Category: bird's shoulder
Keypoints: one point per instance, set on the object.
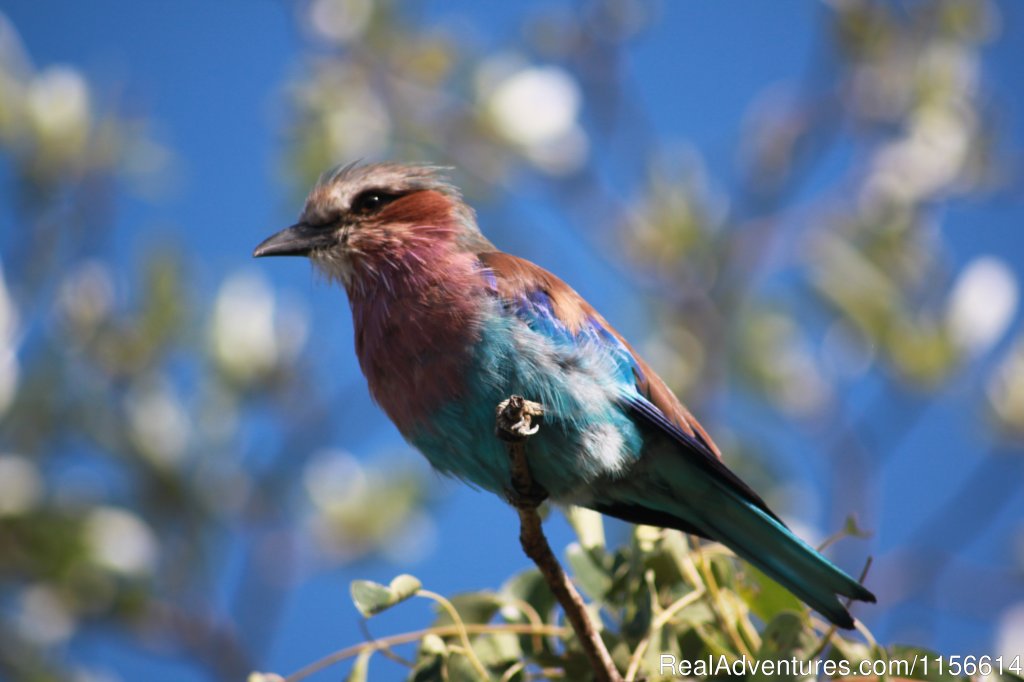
(548, 303)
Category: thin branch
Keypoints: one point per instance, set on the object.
(657, 624)
(514, 424)
(449, 608)
(417, 635)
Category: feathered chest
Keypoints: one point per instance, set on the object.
(413, 340)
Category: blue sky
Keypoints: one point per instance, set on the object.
(210, 77)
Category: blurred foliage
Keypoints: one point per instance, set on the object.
(147, 429)
(130, 466)
(663, 600)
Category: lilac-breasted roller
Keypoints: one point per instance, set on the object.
(447, 327)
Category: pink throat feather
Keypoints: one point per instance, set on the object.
(416, 302)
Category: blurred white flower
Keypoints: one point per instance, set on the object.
(1006, 389)
(58, 103)
(21, 486)
(334, 478)
(251, 337)
(351, 118)
(954, 65)
(359, 127)
(537, 109)
(982, 304)
(1010, 633)
(340, 20)
(927, 160)
(120, 540)
(43, 618)
(9, 368)
(159, 424)
(535, 105)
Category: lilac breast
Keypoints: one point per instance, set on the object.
(415, 335)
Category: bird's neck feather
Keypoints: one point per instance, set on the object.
(415, 313)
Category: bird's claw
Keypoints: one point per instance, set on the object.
(516, 421)
(515, 418)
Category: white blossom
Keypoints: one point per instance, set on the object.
(120, 541)
(982, 304)
(43, 617)
(21, 486)
(340, 20)
(158, 422)
(1010, 632)
(58, 102)
(253, 334)
(536, 108)
(333, 478)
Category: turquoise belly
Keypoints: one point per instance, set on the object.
(584, 434)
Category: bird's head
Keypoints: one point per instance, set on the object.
(364, 222)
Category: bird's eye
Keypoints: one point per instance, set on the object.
(371, 201)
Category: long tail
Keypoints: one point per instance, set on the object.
(772, 547)
(683, 484)
(721, 511)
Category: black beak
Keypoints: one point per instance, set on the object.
(297, 240)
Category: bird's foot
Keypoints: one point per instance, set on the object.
(515, 418)
(516, 421)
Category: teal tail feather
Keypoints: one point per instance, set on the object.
(772, 547)
(722, 509)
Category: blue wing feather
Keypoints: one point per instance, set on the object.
(535, 308)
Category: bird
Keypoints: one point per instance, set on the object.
(447, 327)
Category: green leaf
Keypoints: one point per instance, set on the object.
(915, 656)
(589, 526)
(472, 607)
(264, 677)
(433, 645)
(640, 611)
(433, 653)
(852, 529)
(695, 615)
(666, 644)
(371, 598)
(714, 639)
(461, 670)
(531, 587)
(587, 570)
(848, 650)
(765, 597)
(784, 638)
(361, 667)
(404, 587)
(428, 669)
(499, 649)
